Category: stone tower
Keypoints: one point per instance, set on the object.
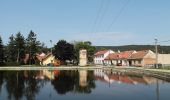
(83, 57)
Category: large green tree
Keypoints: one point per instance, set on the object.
(20, 47)
(11, 50)
(32, 46)
(64, 51)
(1, 52)
(85, 45)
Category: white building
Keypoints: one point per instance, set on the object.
(164, 59)
(101, 55)
(48, 60)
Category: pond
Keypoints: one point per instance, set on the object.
(80, 84)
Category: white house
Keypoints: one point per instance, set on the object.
(164, 59)
(101, 55)
(48, 59)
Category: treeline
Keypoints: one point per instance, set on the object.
(18, 46)
(65, 51)
(161, 49)
(14, 53)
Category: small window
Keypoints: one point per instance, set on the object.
(139, 61)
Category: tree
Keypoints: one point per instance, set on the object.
(1, 53)
(20, 47)
(11, 52)
(85, 45)
(32, 46)
(64, 51)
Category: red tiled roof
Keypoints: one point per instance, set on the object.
(121, 55)
(139, 54)
(101, 52)
(112, 56)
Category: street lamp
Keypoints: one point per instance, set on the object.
(156, 51)
(51, 52)
(51, 45)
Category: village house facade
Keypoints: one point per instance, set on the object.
(142, 58)
(119, 58)
(131, 58)
(49, 59)
(164, 59)
(101, 55)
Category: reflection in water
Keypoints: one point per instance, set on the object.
(75, 81)
(29, 84)
(118, 77)
(83, 78)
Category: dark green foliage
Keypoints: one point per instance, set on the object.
(64, 51)
(11, 53)
(32, 46)
(1, 53)
(15, 50)
(85, 45)
(20, 47)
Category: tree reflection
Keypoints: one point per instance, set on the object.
(68, 81)
(32, 85)
(14, 84)
(20, 84)
(64, 82)
(1, 80)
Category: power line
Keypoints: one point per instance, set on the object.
(97, 17)
(104, 12)
(118, 15)
(164, 41)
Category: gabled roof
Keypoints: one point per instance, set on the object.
(101, 52)
(112, 56)
(139, 54)
(120, 55)
(48, 55)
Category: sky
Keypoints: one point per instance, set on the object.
(103, 22)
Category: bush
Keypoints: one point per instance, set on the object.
(11, 64)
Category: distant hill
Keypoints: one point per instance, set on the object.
(161, 49)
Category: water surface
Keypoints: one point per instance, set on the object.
(80, 84)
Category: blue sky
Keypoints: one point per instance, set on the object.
(133, 21)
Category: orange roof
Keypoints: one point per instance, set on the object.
(101, 52)
(112, 56)
(139, 54)
(121, 55)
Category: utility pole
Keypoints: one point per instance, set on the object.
(51, 52)
(51, 45)
(156, 50)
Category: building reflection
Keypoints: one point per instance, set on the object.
(111, 77)
(27, 84)
(83, 78)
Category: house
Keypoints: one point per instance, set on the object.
(142, 58)
(50, 60)
(101, 55)
(40, 57)
(119, 58)
(164, 59)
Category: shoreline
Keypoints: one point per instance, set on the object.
(119, 68)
